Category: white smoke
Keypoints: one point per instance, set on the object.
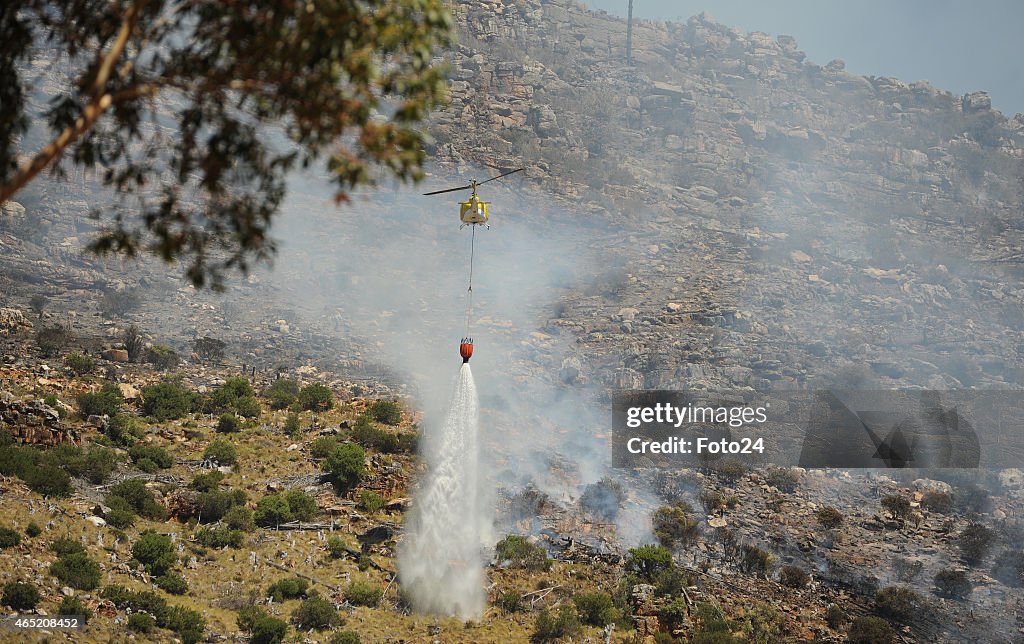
(439, 559)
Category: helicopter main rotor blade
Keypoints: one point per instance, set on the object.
(438, 192)
(501, 175)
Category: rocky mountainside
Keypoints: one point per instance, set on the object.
(721, 214)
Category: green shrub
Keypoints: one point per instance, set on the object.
(520, 553)
(282, 393)
(370, 501)
(105, 402)
(156, 455)
(510, 602)
(228, 424)
(317, 613)
(953, 584)
(77, 570)
(248, 407)
(134, 343)
(602, 499)
(74, 606)
(162, 357)
(303, 507)
(141, 622)
(99, 463)
(596, 609)
(187, 623)
(32, 530)
(221, 452)
(384, 411)
(64, 546)
(20, 595)
(168, 400)
(345, 637)
(79, 363)
(870, 630)
(136, 498)
(207, 481)
(155, 552)
(240, 518)
(9, 537)
(209, 349)
(346, 465)
(648, 561)
(120, 519)
(361, 593)
(124, 429)
(288, 588)
(214, 505)
(897, 602)
(897, 505)
(172, 583)
(673, 615)
(316, 397)
(974, 543)
(830, 518)
(291, 425)
(268, 630)
(794, 577)
(219, 537)
(272, 510)
(16, 461)
(674, 526)
(337, 547)
(49, 480)
(834, 616)
(321, 447)
(549, 627)
(224, 397)
(671, 582)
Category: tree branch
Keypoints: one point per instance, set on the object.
(99, 103)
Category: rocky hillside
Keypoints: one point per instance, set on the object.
(721, 214)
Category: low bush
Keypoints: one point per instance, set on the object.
(303, 506)
(870, 630)
(49, 480)
(207, 481)
(228, 424)
(649, 561)
(9, 537)
(209, 349)
(384, 411)
(897, 505)
(953, 584)
(20, 595)
(219, 537)
(248, 407)
(52, 339)
(168, 400)
(221, 452)
(602, 499)
(596, 608)
(974, 543)
(77, 570)
(674, 526)
(316, 397)
(510, 602)
(136, 497)
(794, 577)
(288, 588)
(64, 546)
(322, 446)
(520, 553)
(362, 593)
(345, 637)
(337, 547)
(172, 583)
(282, 393)
(550, 627)
(74, 606)
(212, 506)
(940, 502)
(134, 343)
(33, 530)
(370, 501)
(80, 364)
(783, 479)
(897, 602)
(291, 425)
(315, 613)
(124, 429)
(162, 357)
(346, 465)
(673, 614)
(105, 402)
(272, 510)
(830, 518)
(156, 455)
(754, 560)
(240, 518)
(1009, 568)
(155, 552)
(141, 622)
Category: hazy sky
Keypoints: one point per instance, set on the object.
(960, 46)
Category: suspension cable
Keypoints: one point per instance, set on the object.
(469, 305)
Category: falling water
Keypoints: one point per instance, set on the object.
(439, 559)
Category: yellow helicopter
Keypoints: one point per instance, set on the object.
(474, 211)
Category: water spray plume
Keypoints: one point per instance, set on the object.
(439, 560)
